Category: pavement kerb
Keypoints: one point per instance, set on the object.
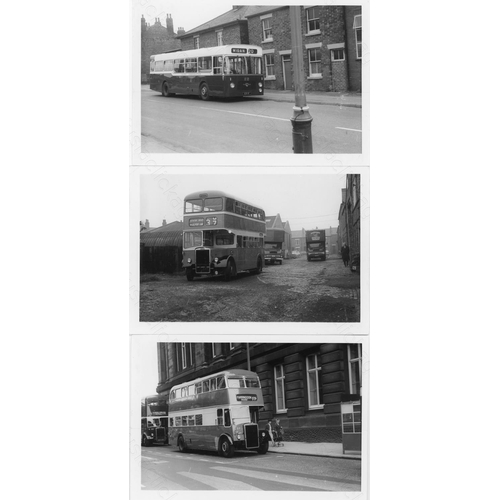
(347, 457)
(311, 100)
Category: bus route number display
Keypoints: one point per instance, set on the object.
(238, 51)
(198, 222)
(246, 397)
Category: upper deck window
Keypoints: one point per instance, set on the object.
(206, 205)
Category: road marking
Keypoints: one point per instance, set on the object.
(248, 114)
(294, 480)
(219, 483)
(161, 462)
(351, 129)
(147, 458)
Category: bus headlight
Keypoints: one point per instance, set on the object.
(232, 85)
(260, 84)
(216, 260)
(189, 260)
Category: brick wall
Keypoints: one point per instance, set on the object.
(355, 65)
(334, 76)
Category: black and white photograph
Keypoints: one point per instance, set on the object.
(248, 416)
(263, 247)
(267, 79)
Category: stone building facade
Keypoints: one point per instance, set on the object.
(349, 230)
(156, 39)
(303, 384)
(332, 56)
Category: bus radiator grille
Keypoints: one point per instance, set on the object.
(252, 435)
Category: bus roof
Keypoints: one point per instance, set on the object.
(209, 51)
(237, 372)
(214, 193)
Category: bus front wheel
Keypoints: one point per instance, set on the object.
(189, 273)
(263, 448)
(230, 271)
(226, 449)
(182, 445)
(204, 94)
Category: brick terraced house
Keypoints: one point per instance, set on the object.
(331, 36)
(304, 385)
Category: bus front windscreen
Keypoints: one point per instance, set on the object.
(241, 65)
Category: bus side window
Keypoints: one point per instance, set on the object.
(213, 384)
(219, 416)
(227, 418)
(221, 382)
(239, 241)
(217, 65)
(206, 386)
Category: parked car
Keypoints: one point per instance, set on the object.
(295, 254)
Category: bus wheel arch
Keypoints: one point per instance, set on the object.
(204, 91)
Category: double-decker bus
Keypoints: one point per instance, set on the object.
(316, 244)
(219, 412)
(154, 411)
(223, 71)
(221, 235)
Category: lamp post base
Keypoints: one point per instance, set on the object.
(301, 130)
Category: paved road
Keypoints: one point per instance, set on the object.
(165, 468)
(186, 124)
(295, 291)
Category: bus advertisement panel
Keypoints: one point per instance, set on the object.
(223, 71)
(219, 412)
(221, 236)
(316, 244)
(154, 411)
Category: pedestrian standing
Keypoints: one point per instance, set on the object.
(345, 254)
(269, 429)
(279, 433)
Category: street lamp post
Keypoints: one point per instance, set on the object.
(301, 120)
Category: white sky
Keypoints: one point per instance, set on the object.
(188, 15)
(306, 201)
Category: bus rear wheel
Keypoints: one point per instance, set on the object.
(226, 449)
(164, 90)
(259, 266)
(204, 93)
(263, 448)
(182, 445)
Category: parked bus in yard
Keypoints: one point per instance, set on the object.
(222, 236)
(154, 412)
(219, 412)
(316, 244)
(223, 71)
(274, 246)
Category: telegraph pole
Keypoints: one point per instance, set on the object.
(301, 120)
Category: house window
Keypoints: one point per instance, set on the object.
(219, 37)
(357, 32)
(269, 62)
(314, 389)
(267, 32)
(314, 61)
(354, 358)
(312, 15)
(184, 356)
(196, 42)
(279, 384)
(338, 55)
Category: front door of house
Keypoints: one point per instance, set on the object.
(287, 72)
